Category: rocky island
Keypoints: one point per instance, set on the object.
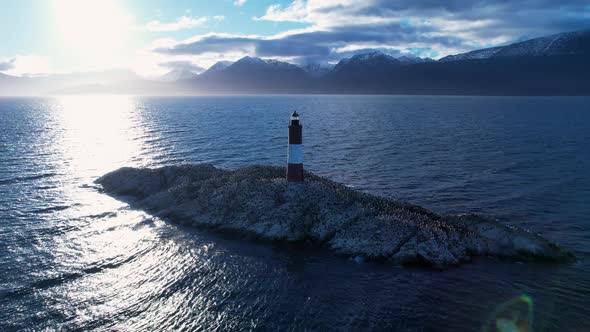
(258, 200)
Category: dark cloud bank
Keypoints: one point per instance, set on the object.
(441, 27)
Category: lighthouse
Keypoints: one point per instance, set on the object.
(295, 152)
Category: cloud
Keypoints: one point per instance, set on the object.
(239, 3)
(467, 24)
(151, 64)
(334, 29)
(184, 65)
(317, 45)
(296, 12)
(182, 23)
(210, 43)
(6, 64)
(542, 16)
(25, 65)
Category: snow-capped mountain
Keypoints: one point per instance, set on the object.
(177, 75)
(553, 65)
(473, 55)
(577, 42)
(410, 59)
(253, 61)
(317, 69)
(253, 75)
(219, 65)
(371, 59)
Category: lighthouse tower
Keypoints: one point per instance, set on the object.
(295, 154)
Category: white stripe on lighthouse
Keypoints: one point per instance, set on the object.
(295, 155)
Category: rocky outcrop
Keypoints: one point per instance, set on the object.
(257, 200)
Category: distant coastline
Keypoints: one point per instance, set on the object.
(555, 65)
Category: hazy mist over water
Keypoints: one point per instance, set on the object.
(74, 259)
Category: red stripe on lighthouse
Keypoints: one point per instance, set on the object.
(295, 152)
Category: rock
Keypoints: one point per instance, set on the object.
(258, 200)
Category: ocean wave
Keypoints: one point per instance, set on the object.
(27, 178)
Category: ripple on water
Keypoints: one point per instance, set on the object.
(75, 259)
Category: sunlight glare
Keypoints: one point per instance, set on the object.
(100, 133)
(95, 32)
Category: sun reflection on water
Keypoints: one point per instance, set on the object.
(98, 133)
(104, 251)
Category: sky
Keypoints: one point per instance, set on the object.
(152, 37)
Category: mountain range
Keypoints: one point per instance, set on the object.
(551, 65)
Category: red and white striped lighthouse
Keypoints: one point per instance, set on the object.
(295, 154)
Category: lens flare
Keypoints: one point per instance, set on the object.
(515, 315)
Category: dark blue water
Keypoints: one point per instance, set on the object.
(72, 258)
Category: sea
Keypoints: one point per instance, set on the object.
(75, 259)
